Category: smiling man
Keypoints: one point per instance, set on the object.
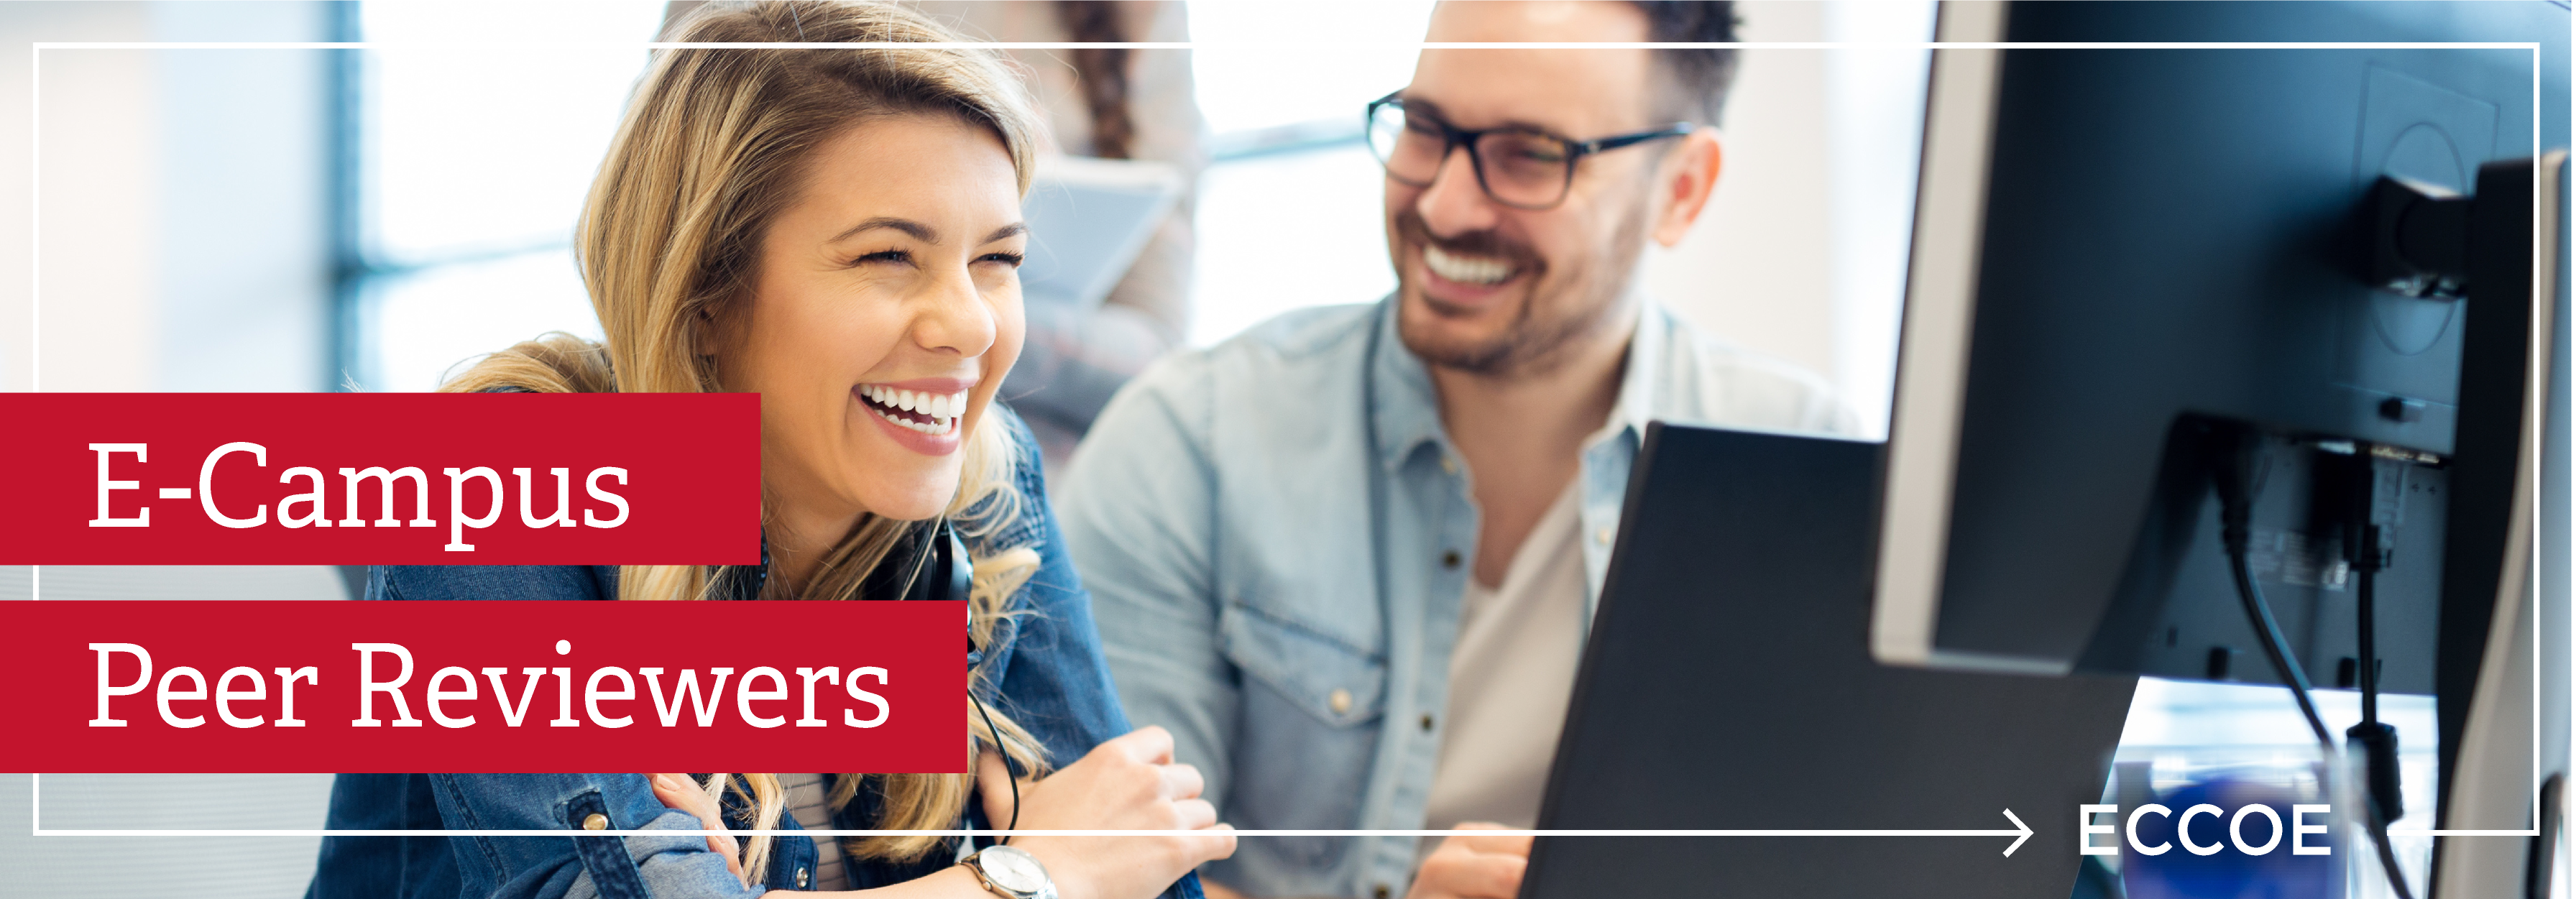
(1349, 558)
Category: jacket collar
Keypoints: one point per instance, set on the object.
(1406, 410)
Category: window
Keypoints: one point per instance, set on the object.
(471, 164)
(1289, 182)
(470, 167)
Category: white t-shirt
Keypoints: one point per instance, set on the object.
(806, 800)
(1510, 679)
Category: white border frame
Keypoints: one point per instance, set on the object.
(35, 369)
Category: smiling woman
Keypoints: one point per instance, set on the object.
(895, 273)
(837, 230)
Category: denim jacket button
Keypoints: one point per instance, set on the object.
(1340, 700)
(1449, 559)
(803, 877)
(596, 821)
(1380, 892)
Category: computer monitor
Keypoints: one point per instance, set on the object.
(2135, 269)
(2109, 240)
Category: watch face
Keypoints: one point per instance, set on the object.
(1012, 869)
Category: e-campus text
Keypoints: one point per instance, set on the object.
(381, 479)
(315, 501)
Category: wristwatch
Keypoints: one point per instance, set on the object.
(1011, 873)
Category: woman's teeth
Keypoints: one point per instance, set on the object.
(931, 413)
(1466, 269)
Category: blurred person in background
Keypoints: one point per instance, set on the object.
(1350, 557)
(1105, 103)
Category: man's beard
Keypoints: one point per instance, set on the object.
(1550, 316)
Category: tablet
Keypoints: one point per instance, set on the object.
(1088, 220)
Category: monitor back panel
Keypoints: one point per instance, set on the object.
(1727, 684)
(2172, 232)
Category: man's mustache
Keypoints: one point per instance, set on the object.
(1489, 243)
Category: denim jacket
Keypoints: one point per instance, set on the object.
(1278, 532)
(1053, 681)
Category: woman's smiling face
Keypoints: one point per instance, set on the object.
(885, 312)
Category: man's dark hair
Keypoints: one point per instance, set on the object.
(1692, 84)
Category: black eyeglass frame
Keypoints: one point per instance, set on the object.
(1453, 137)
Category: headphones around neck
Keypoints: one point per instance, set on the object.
(931, 564)
(940, 569)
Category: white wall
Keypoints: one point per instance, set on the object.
(1801, 252)
(180, 228)
(222, 285)
(97, 221)
(1757, 270)
(244, 293)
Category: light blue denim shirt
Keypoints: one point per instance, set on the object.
(1276, 533)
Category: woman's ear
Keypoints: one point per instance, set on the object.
(1689, 176)
(712, 336)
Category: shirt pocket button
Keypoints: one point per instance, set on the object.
(1340, 701)
(596, 821)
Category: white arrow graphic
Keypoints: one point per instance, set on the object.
(2017, 841)
(2020, 832)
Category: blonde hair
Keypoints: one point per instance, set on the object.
(711, 150)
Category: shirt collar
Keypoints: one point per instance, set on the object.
(1638, 381)
(1407, 410)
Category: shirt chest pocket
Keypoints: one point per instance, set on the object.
(1340, 684)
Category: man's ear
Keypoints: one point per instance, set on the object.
(1688, 176)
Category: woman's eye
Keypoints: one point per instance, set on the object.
(883, 256)
(1009, 259)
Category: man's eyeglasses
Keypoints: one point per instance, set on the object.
(1519, 167)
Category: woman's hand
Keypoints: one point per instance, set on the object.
(1129, 783)
(1468, 866)
(679, 792)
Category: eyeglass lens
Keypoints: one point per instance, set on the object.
(1520, 168)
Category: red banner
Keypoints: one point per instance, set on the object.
(381, 479)
(284, 686)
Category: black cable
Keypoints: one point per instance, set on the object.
(1008, 772)
(2366, 575)
(2378, 827)
(2277, 647)
(2259, 614)
(2377, 742)
(2239, 481)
